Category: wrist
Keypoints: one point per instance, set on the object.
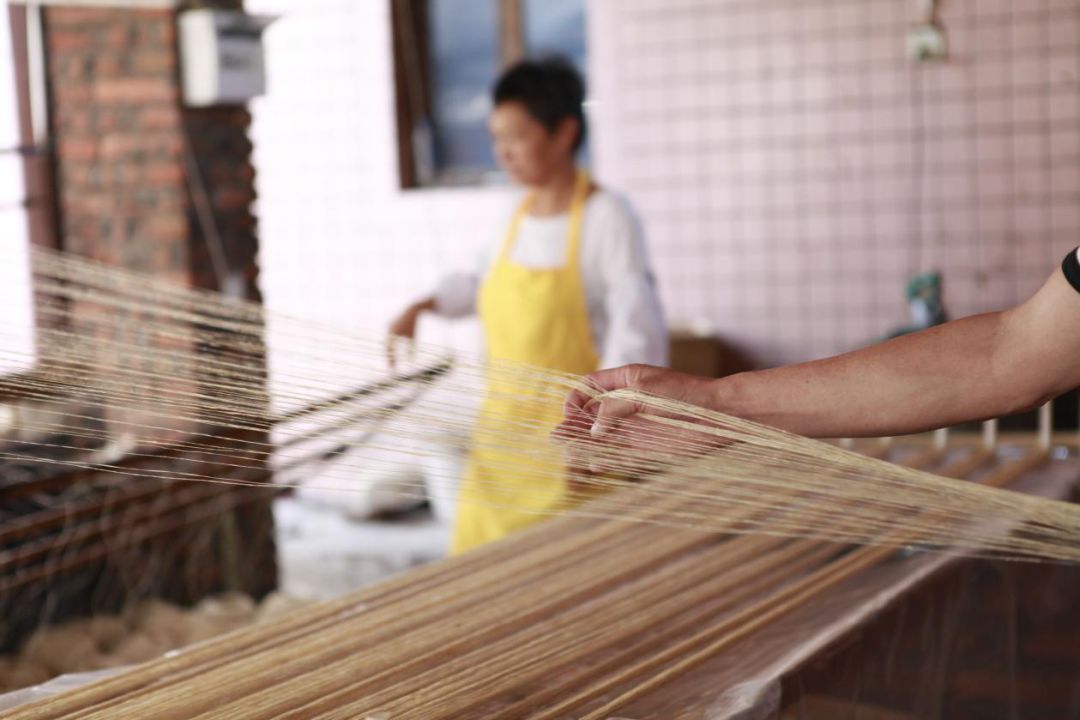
(730, 395)
(422, 306)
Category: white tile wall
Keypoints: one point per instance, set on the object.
(775, 149)
(339, 241)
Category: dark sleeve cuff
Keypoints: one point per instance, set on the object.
(1071, 267)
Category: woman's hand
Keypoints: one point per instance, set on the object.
(404, 327)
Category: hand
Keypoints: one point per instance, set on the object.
(404, 327)
(597, 418)
(590, 410)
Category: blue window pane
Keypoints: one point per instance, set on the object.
(465, 62)
(556, 26)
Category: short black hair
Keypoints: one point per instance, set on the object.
(550, 88)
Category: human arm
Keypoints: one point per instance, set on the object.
(404, 325)
(454, 297)
(971, 369)
(634, 331)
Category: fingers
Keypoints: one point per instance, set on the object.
(575, 402)
(403, 329)
(598, 383)
(583, 405)
(614, 378)
(393, 349)
(391, 355)
(599, 423)
(609, 414)
(577, 421)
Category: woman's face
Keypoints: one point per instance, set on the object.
(527, 150)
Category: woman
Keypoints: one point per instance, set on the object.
(568, 288)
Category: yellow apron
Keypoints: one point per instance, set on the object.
(538, 317)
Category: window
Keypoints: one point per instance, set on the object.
(27, 208)
(447, 55)
(16, 332)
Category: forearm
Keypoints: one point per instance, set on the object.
(427, 304)
(404, 325)
(935, 378)
(979, 367)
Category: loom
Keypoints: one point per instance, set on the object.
(664, 598)
(576, 617)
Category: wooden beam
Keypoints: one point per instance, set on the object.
(511, 31)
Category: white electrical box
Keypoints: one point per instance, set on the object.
(221, 56)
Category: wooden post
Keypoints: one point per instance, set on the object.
(1046, 425)
(990, 434)
(511, 31)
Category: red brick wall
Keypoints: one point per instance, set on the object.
(222, 151)
(127, 185)
(131, 165)
(117, 125)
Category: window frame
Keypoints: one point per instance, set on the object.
(39, 164)
(38, 155)
(413, 84)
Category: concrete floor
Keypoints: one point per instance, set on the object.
(322, 554)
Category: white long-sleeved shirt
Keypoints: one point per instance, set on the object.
(620, 290)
